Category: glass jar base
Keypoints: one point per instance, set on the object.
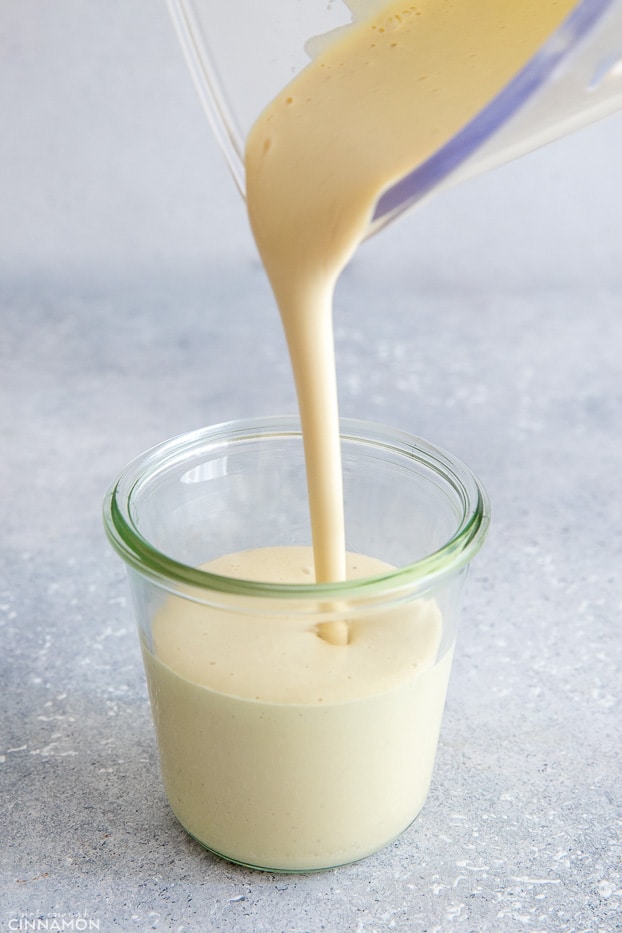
(302, 869)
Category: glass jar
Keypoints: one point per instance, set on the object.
(279, 749)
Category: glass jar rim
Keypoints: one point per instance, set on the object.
(139, 553)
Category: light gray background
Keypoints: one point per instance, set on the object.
(131, 300)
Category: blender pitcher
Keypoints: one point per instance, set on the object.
(241, 59)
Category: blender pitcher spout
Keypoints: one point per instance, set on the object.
(240, 63)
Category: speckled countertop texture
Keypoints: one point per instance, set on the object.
(131, 299)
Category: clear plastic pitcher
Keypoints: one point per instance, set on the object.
(241, 58)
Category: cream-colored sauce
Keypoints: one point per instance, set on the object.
(279, 750)
(365, 112)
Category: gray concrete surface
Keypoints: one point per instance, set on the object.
(488, 322)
